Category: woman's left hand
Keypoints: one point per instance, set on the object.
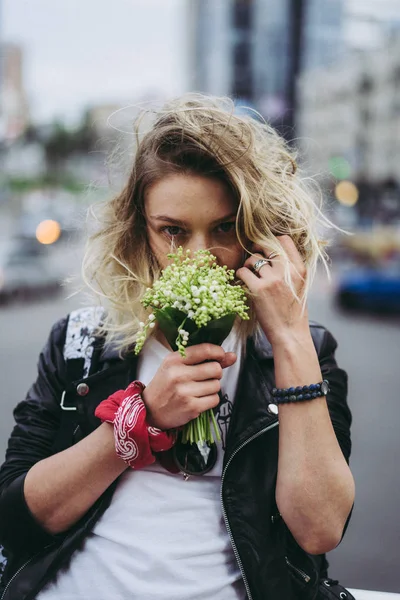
(278, 312)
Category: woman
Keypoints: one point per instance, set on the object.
(257, 524)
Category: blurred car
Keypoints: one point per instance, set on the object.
(26, 271)
(370, 289)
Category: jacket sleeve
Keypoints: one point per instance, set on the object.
(337, 399)
(337, 396)
(37, 421)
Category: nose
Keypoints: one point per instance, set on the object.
(206, 242)
(199, 242)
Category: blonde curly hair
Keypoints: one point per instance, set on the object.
(201, 135)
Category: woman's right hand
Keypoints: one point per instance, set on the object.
(183, 388)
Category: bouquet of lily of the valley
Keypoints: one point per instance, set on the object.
(194, 302)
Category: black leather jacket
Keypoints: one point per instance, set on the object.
(273, 566)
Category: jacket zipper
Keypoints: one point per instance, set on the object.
(21, 569)
(227, 525)
(302, 574)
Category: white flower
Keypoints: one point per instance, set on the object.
(197, 286)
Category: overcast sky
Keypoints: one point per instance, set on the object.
(79, 52)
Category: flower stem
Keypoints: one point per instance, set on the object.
(214, 422)
(201, 429)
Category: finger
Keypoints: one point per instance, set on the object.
(266, 251)
(207, 402)
(205, 388)
(249, 278)
(210, 370)
(252, 261)
(204, 371)
(229, 360)
(201, 352)
(292, 253)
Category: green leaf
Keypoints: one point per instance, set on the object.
(169, 320)
(215, 332)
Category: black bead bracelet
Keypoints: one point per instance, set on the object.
(301, 393)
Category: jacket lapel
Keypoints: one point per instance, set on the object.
(250, 410)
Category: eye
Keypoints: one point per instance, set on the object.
(227, 227)
(172, 230)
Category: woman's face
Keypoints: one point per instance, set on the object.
(195, 212)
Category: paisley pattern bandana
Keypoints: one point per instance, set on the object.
(135, 441)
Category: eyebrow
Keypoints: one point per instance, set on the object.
(166, 219)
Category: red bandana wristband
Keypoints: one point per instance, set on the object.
(135, 440)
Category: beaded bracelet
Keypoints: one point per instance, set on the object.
(301, 393)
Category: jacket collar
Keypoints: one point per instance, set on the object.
(109, 352)
(261, 345)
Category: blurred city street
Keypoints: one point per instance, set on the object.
(325, 74)
(368, 349)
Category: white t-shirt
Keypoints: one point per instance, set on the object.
(162, 538)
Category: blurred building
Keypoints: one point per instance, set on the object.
(369, 22)
(14, 111)
(254, 49)
(327, 116)
(211, 50)
(323, 32)
(23, 159)
(1, 22)
(243, 72)
(272, 58)
(349, 123)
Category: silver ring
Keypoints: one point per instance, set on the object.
(259, 264)
(272, 255)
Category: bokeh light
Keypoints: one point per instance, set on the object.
(346, 193)
(48, 232)
(339, 167)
